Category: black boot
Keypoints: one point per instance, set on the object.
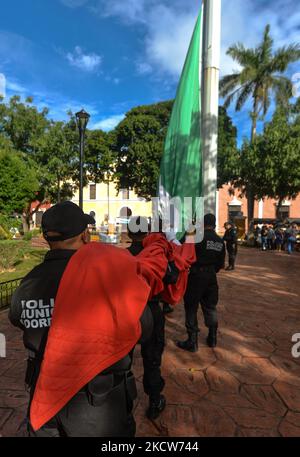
(156, 406)
(212, 337)
(191, 344)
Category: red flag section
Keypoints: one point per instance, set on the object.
(184, 256)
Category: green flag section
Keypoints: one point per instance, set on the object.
(181, 164)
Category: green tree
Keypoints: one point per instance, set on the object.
(260, 77)
(22, 123)
(138, 143)
(228, 154)
(99, 155)
(58, 157)
(272, 161)
(18, 183)
(280, 151)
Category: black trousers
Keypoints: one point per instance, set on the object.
(232, 253)
(112, 417)
(202, 288)
(152, 351)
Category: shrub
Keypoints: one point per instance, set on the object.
(11, 254)
(27, 236)
(4, 234)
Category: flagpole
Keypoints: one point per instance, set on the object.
(211, 44)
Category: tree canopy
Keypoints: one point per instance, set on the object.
(138, 142)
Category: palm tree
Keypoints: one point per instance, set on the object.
(260, 78)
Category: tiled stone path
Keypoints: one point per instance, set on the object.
(248, 386)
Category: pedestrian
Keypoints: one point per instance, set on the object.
(291, 237)
(230, 237)
(203, 287)
(256, 236)
(264, 240)
(82, 311)
(278, 238)
(271, 238)
(152, 349)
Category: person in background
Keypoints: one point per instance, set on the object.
(256, 236)
(203, 287)
(291, 237)
(264, 241)
(152, 349)
(279, 238)
(271, 238)
(230, 237)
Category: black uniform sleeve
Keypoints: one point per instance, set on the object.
(146, 324)
(15, 310)
(221, 263)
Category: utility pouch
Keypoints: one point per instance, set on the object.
(99, 388)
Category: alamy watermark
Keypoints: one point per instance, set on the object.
(2, 85)
(174, 215)
(296, 347)
(2, 346)
(296, 85)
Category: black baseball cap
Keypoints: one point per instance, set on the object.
(67, 219)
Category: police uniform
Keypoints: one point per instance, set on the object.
(103, 407)
(152, 350)
(230, 237)
(203, 288)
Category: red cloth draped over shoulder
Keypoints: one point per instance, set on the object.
(183, 256)
(95, 322)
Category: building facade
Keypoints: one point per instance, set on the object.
(107, 204)
(230, 205)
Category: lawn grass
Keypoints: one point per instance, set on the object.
(20, 257)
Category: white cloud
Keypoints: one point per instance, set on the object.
(15, 87)
(143, 68)
(86, 62)
(169, 24)
(129, 11)
(74, 3)
(2, 85)
(108, 123)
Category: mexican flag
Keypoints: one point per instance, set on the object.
(181, 164)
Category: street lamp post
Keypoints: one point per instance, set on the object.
(82, 119)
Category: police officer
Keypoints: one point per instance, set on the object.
(103, 408)
(203, 286)
(230, 237)
(153, 348)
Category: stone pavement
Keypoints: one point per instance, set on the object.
(248, 386)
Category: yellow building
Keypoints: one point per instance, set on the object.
(107, 204)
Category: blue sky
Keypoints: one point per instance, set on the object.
(108, 56)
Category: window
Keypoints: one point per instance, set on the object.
(92, 191)
(234, 211)
(283, 212)
(125, 194)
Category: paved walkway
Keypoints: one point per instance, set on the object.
(248, 386)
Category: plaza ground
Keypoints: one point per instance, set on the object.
(248, 386)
